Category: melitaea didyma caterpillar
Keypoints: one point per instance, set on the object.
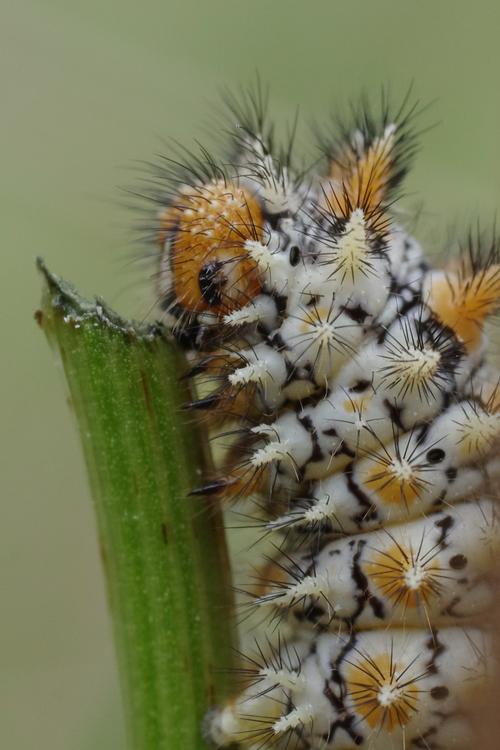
(366, 421)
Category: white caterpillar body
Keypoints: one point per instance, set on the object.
(366, 421)
(430, 571)
(385, 690)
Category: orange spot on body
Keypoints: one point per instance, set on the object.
(314, 319)
(405, 578)
(396, 483)
(357, 405)
(361, 181)
(383, 691)
(463, 302)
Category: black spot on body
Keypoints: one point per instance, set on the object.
(344, 449)
(277, 342)
(361, 582)
(458, 562)
(346, 721)
(358, 314)
(451, 608)
(294, 256)
(331, 432)
(437, 648)
(314, 613)
(368, 512)
(445, 524)
(359, 386)
(281, 302)
(439, 693)
(395, 413)
(307, 423)
(273, 219)
(435, 455)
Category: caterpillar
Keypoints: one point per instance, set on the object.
(352, 380)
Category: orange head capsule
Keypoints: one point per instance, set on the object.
(205, 267)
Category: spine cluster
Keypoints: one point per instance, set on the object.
(352, 382)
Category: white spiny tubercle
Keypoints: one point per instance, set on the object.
(261, 309)
(298, 716)
(260, 253)
(478, 434)
(320, 337)
(358, 275)
(314, 586)
(275, 451)
(351, 249)
(417, 365)
(264, 366)
(271, 261)
(273, 185)
(254, 373)
(289, 441)
(320, 510)
(284, 522)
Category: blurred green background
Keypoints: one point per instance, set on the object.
(88, 89)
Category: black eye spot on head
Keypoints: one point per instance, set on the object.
(458, 562)
(435, 455)
(212, 282)
(294, 256)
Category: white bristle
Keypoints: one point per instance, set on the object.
(275, 451)
(295, 718)
(285, 678)
(254, 373)
(314, 586)
(262, 309)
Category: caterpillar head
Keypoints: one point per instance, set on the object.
(206, 272)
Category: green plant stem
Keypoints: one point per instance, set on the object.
(164, 554)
